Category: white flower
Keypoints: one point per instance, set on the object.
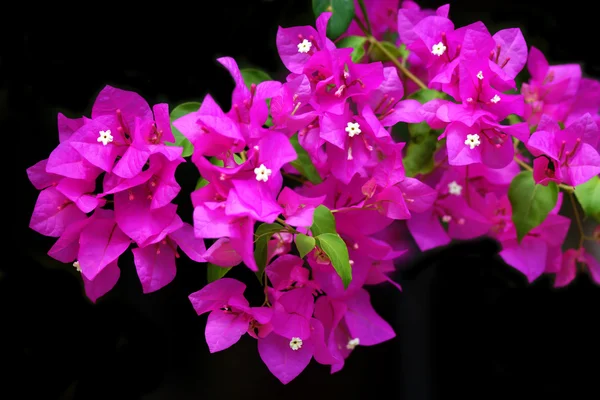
(77, 266)
(454, 188)
(305, 46)
(472, 141)
(262, 173)
(352, 343)
(353, 129)
(447, 218)
(495, 99)
(105, 137)
(438, 49)
(296, 343)
(480, 75)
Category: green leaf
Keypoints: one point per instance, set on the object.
(201, 183)
(403, 51)
(323, 221)
(180, 140)
(263, 233)
(253, 75)
(303, 164)
(418, 158)
(341, 17)
(425, 95)
(337, 251)
(530, 203)
(304, 243)
(357, 43)
(513, 119)
(214, 272)
(588, 195)
(216, 161)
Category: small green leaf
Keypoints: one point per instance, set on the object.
(403, 51)
(323, 221)
(304, 243)
(263, 233)
(341, 17)
(530, 203)
(180, 140)
(201, 183)
(253, 75)
(216, 161)
(513, 119)
(357, 43)
(337, 251)
(425, 95)
(588, 195)
(214, 272)
(237, 158)
(418, 158)
(303, 164)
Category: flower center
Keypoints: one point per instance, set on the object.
(296, 343)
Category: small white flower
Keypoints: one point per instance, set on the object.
(262, 173)
(480, 75)
(296, 343)
(495, 99)
(353, 129)
(77, 266)
(438, 49)
(355, 246)
(447, 218)
(256, 147)
(305, 46)
(472, 141)
(351, 262)
(105, 137)
(469, 99)
(454, 188)
(352, 343)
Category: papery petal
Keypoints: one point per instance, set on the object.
(53, 213)
(216, 294)
(528, 257)
(40, 178)
(427, 231)
(100, 243)
(364, 323)
(281, 360)
(186, 240)
(102, 283)
(221, 253)
(224, 329)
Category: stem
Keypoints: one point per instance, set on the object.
(395, 61)
(526, 166)
(290, 228)
(523, 164)
(578, 219)
(361, 3)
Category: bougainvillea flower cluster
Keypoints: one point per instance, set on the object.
(308, 182)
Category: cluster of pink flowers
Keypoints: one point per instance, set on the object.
(122, 150)
(326, 133)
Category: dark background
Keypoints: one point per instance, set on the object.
(467, 325)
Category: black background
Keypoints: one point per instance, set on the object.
(467, 325)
